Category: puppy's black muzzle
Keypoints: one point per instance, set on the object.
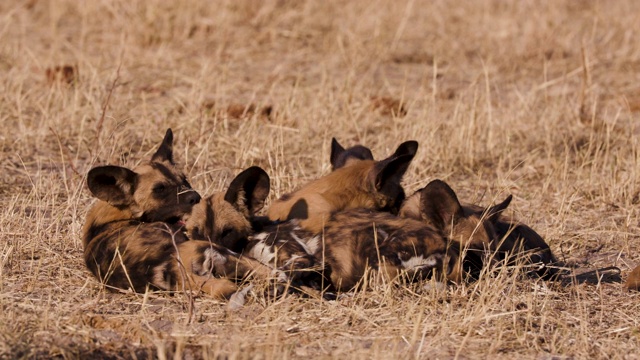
(188, 196)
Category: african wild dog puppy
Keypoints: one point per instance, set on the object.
(351, 242)
(427, 237)
(133, 235)
(517, 237)
(228, 219)
(478, 233)
(358, 239)
(363, 184)
(225, 218)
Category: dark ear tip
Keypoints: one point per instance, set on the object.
(100, 170)
(438, 186)
(507, 201)
(257, 171)
(436, 183)
(335, 147)
(168, 136)
(412, 144)
(93, 171)
(409, 147)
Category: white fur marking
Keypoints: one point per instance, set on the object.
(261, 236)
(310, 246)
(420, 261)
(237, 299)
(211, 259)
(382, 235)
(263, 253)
(281, 276)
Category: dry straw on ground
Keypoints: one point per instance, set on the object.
(539, 99)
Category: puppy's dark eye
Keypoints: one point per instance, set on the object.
(160, 188)
(195, 233)
(226, 232)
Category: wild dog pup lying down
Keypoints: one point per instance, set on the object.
(357, 239)
(433, 234)
(228, 219)
(133, 234)
(478, 233)
(518, 237)
(351, 242)
(363, 184)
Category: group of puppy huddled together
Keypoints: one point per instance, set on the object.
(150, 230)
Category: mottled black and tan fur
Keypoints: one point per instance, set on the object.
(358, 239)
(479, 234)
(224, 218)
(287, 247)
(133, 235)
(508, 238)
(352, 243)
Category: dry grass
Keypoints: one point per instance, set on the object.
(540, 99)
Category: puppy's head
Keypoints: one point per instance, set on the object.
(386, 176)
(387, 171)
(469, 229)
(224, 218)
(156, 190)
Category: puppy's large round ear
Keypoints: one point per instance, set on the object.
(389, 172)
(249, 190)
(336, 150)
(406, 148)
(439, 204)
(113, 184)
(165, 151)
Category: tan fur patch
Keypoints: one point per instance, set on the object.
(633, 281)
(344, 188)
(225, 216)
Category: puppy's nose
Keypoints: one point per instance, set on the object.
(193, 198)
(188, 195)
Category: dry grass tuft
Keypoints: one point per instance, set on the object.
(539, 99)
